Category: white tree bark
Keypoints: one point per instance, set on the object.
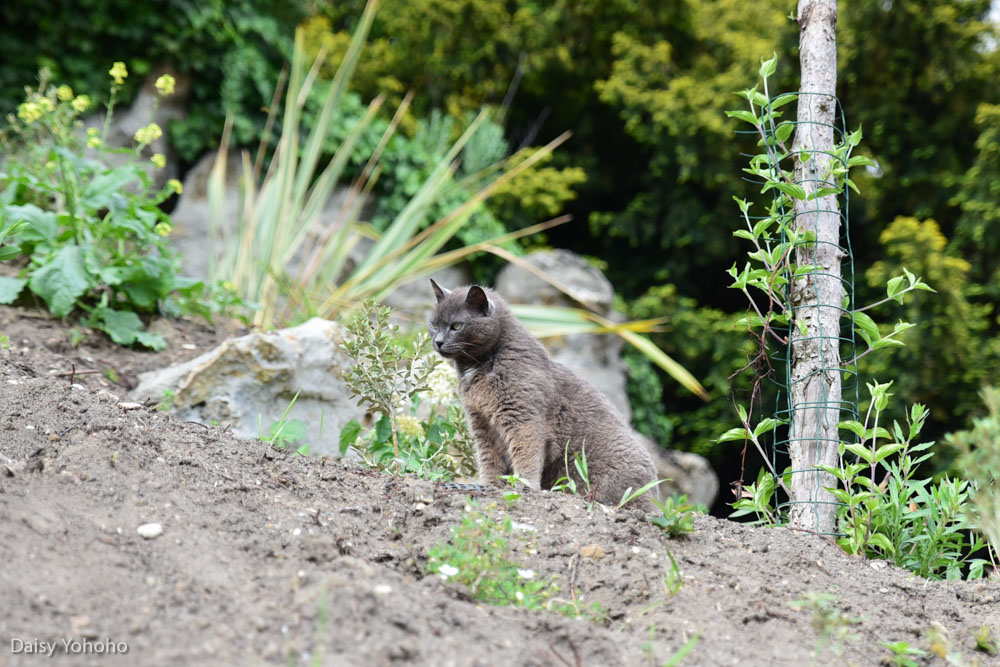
(815, 392)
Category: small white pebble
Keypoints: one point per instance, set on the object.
(188, 346)
(150, 530)
(29, 427)
(382, 589)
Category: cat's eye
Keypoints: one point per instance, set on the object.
(457, 326)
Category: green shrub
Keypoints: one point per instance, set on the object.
(420, 427)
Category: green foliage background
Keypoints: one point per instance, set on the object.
(653, 162)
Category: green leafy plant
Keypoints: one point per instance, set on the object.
(676, 516)
(568, 482)
(925, 527)
(92, 235)
(985, 641)
(478, 557)
(420, 427)
(902, 654)
(285, 432)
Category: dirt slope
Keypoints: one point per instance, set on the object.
(267, 559)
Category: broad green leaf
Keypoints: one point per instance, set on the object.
(10, 288)
(769, 66)
(860, 161)
(62, 280)
(887, 450)
(860, 450)
(784, 130)
(733, 434)
(866, 327)
(123, 326)
(791, 189)
(741, 233)
(882, 542)
(765, 426)
(97, 194)
(894, 287)
(348, 434)
(742, 114)
(38, 225)
(831, 470)
(855, 427)
(151, 339)
(783, 99)
(9, 252)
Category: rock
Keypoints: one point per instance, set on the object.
(148, 106)
(192, 217)
(688, 474)
(150, 530)
(597, 358)
(594, 551)
(248, 383)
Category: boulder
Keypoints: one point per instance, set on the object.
(193, 236)
(597, 358)
(686, 473)
(248, 383)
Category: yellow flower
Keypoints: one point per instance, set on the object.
(175, 185)
(80, 104)
(159, 160)
(165, 84)
(118, 72)
(92, 132)
(410, 425)
(148, 134)
(94, 142)
(64, 93)
(46, 104)
(162, 228)
(29, 112)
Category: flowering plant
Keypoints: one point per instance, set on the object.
(90, 236)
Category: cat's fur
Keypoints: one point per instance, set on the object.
(526, 410)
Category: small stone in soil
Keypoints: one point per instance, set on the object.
(150, 530)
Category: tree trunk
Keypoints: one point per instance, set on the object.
(815, 392)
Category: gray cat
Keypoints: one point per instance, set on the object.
(528, 413)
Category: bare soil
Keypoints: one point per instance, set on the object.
(271, 559)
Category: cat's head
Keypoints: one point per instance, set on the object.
(465, 326)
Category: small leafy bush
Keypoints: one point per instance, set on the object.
(923, 526)
(91, 235)
(420, 427)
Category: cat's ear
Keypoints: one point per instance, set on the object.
(439, 291)
(477, 301)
